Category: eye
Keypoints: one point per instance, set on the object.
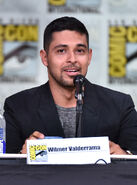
(81, 51)
(61, 51)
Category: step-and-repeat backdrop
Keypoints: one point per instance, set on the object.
(112, 26)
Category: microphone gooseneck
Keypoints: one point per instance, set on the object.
(79, 94)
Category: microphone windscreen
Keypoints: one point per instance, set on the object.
(79, 79)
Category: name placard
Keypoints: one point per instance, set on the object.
(86, 150)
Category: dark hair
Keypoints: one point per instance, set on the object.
(60, 24)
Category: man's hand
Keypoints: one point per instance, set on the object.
(116, 149)
(33, 136)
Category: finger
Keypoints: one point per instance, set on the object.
(112, 147)
(111, 143)
(37, 135)
(24, 149)
(33, 136)
(116, 149)
(111, 150)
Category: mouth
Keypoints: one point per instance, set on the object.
(72, 71)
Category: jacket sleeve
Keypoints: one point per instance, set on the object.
(14, 140)
(128, 126)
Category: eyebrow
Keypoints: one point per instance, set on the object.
(61, 46)
(65, 45)
(82, 45)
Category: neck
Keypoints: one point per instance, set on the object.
(64, 97)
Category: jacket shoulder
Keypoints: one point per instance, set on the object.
(107, 95)
(27, 96)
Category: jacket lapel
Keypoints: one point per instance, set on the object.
(90, 117)
(48, 113)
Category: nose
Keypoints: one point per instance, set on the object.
(71, 57)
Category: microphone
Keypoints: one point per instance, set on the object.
(79, 83)
(79, 94)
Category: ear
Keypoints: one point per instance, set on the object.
(43, 56)
(90, 56)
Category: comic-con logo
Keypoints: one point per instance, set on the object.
(38, 153)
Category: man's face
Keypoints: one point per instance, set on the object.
(68, 56)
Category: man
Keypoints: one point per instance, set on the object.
(50, 109)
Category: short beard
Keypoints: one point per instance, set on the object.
(62, 82)
(65, 84)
